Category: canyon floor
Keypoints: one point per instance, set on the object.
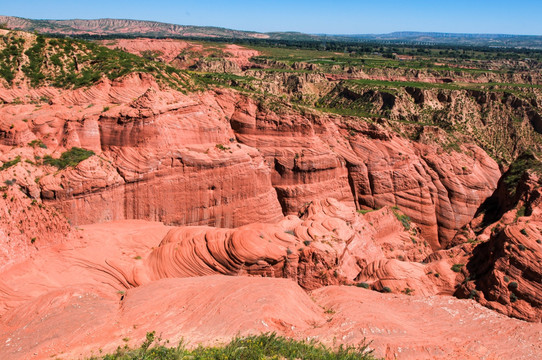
(69, 303)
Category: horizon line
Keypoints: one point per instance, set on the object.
(283, 31)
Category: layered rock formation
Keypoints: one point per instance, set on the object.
(329, 244)
(505, 271)
(252, 186)
(209, 158)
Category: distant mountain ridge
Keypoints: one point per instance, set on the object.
(497, 40)
(129, 27)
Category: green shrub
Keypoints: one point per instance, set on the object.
(386, 289)
(513, 285)
(37, 142)
(408, 291)
(71, 157)
(457, 267)
(266, 346)
(10, 163)
(10, 182)
(363, 285)
(403, 219)
(222, 147)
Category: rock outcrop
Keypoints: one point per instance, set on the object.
(505, 270)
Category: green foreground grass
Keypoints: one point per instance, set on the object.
(266, 346)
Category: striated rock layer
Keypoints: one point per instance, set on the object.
(221, 159)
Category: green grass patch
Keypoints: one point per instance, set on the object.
(10, 163)
(260, 347)
(403, 219)
(70, 63)
(38, 143)
(10, 56)
(525, 162)
(71, 157)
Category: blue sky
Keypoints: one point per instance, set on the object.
(316, 16)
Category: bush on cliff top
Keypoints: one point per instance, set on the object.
(266, 346)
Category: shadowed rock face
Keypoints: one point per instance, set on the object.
(505, 271)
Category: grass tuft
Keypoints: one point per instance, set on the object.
(260, 347)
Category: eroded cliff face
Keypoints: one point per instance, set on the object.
(503, 123)
(261, 210)
(160, 156)
(253, 171)
(505, 270)
(316, 156)
(219, 158)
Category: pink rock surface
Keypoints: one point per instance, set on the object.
(329, 244)
(270, 193)
(122, 279)
(414, 327)
(218, 158)
(211, 310)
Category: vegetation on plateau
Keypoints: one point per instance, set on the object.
(71, 63)
(480, 95)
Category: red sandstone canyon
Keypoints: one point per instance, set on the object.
(213, 196)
